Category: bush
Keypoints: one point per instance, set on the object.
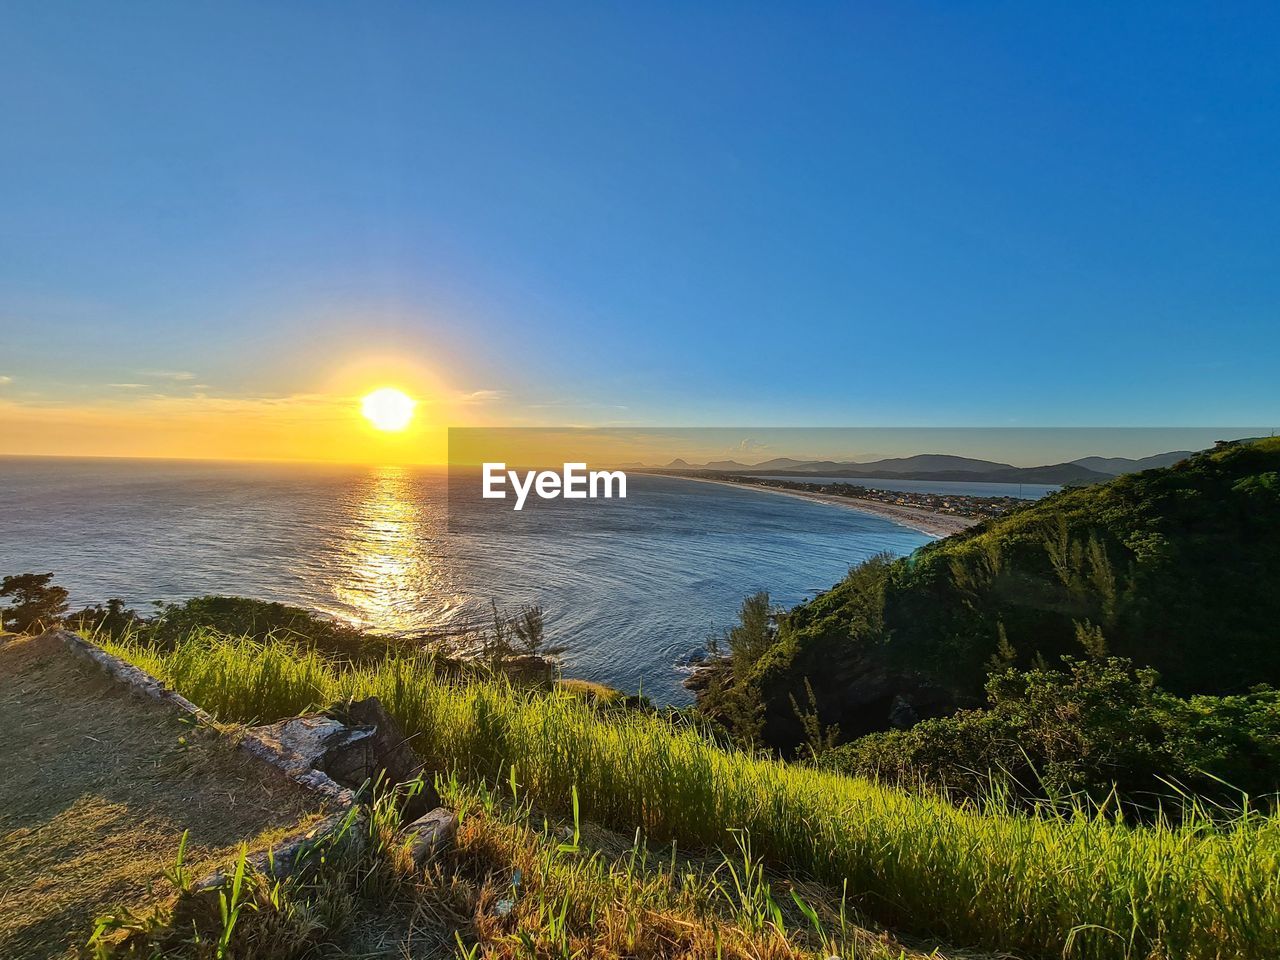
(1097, 726)
(112, 618)
(258, 620)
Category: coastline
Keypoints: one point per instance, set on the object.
(926, 521)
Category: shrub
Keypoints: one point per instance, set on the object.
(1098, 726)
(258, 620)
(112, 618)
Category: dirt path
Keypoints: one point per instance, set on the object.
(96, 788)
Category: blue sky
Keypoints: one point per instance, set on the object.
(874, 213)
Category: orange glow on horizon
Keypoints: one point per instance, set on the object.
(303, 427)
(383, 409)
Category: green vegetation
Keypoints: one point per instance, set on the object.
(719, 695)
(1042, 883)
(112, 618)
(515, 643)
(511, 885)
(251, 914)
(259, 619)
(232, 617)
(33, 602)
(1171, 568)
(1100, 729)
(1085, 811)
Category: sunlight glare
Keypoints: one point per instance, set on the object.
(388, 409)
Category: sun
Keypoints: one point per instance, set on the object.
(388, 409)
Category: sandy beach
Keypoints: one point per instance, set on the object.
(926, 521)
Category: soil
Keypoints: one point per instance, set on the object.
(96, 788)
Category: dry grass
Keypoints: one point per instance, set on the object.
(95, 788)
(515, 886)
(613, 897)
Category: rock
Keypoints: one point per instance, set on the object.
(320, 742)
(389, 752)
(707, 672)
(430, 834)
(340, 831)
(198, 907)
(353, 743)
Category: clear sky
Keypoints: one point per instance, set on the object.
(222, 223)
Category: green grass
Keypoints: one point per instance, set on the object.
(508, 887)
(1047, 885)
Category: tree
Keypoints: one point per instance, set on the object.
(34, 602)
(819, 739)
(529, 627)
(731, 695)
(1099, 728)
(754, 633)
(497, 644)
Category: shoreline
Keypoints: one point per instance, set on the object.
(924, 521)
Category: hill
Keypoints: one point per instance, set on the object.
(1118, 465)
(930, 463)
(1173, 568)
(925, 466)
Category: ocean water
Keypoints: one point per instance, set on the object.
(632, 600)
(959, 488)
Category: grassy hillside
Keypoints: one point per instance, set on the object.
(514, 884)
(1039, 885)
(1174, 568)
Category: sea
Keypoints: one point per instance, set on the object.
(634, 603)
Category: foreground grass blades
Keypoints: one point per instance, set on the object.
(508, 887)
(1050, 885)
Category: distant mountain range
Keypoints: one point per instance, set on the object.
(938, 466)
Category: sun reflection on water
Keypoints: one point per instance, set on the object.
(388, 569)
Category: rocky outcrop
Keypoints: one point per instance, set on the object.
(425, 838)
(390, 752)
(141, 684)
(323, 743)
(354, 743)
(289, 857)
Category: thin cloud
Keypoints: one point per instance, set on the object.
(180, 376)
(481, 396)
(4, 380)
(127, 386)
(571, 402)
